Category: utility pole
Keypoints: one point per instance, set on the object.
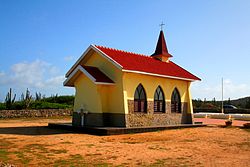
(222, 109)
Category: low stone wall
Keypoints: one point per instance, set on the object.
(142, 119)
(157, 119)
(34, 113)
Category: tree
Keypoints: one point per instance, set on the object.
(9, 101)
(38, 96)
(248, 103)
(229, 101)
(27, 99)
(214, 101)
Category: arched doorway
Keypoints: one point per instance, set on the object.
(159, 100)
(176, 101)
(140, 99)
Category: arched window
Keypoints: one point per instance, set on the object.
(176, 101)
(159, 100)
(140, 99)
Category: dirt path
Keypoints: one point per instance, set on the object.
(29, 143)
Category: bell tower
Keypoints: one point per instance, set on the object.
(161, 50)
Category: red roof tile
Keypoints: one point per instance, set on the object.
(97, 74)
(147, 64)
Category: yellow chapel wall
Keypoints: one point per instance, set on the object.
(111, 95)
(150, 84)
(86, 95)
(190, 102)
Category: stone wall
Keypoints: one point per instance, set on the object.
(34, 113)
(150, 107)
(130, 106)
(143, 119)
(157, 119)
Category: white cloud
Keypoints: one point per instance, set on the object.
(2, 74)
(27, 74)
(69, 58)
(231, 90)
(36, 74)
(55, 81)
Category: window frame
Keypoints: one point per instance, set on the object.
(159, 104)
(140, 102)
(176, 101)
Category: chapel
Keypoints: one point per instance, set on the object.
(116, 88)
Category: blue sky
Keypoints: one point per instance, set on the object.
(40, 40)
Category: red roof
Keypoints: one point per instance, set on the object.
(146, 64)
(97, 74)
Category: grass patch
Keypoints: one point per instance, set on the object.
(158, 162)
(95, 154)
(243, 145)
(66, 142)
(113, 157)
(102, 165)
(5, 144)
(189, 140)
(247, 129)
(11, 138)
(22, 158)
(4, 155)
(123, 164)
(73, 160)
(58, 151)
(61, 163)
(102, 141)
(41, 148)
(89, 145)
(131, 142)
(178, 162)
(158, 148)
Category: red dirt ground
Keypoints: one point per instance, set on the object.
(28, 143)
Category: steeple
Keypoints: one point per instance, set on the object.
(161, 51)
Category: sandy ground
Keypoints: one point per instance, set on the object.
(30, 143)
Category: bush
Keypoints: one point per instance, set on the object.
(18, 106)
(60, 99)
(2, 106)
(47, 105)
(40, 102)
(36, 105)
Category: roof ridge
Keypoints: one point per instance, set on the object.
(148, 56)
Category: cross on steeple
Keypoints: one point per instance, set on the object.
(161, 25)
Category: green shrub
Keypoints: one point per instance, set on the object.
(47, 105)
(53, 102)
(18, 105)
(60, 99)
(2, 106)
